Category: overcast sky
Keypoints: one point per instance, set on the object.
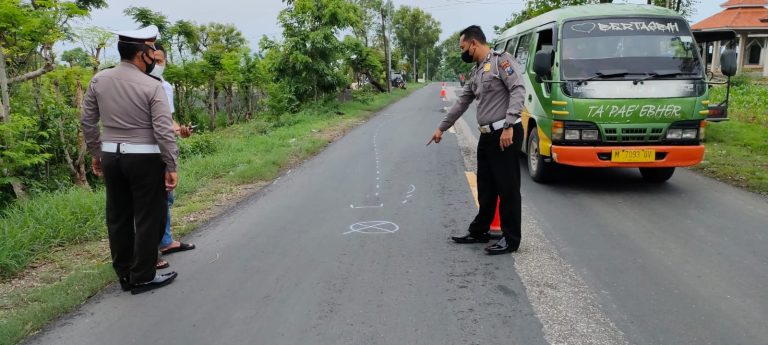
(259, 17)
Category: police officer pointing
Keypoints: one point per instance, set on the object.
(495, 81)
(136, 153)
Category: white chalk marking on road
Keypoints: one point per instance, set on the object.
(371, 206)
(373, 227)
(410, 191)
(214, 259)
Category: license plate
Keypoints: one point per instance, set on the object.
(633, 156)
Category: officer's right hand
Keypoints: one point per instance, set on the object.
(437, 136)
(171, 180)
(96, 164)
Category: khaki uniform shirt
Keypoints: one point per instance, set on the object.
(133, 109)
(497, 83)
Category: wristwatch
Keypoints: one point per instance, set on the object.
(507, 125)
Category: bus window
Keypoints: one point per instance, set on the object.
(523, 48)
(544, 42)
(511, 45)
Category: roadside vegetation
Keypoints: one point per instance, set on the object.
(60, 237)
(259, 107)
(737, 150)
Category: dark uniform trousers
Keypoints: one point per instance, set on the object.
(498, 176)
(137, 209)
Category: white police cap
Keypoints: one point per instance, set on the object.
(144, 34)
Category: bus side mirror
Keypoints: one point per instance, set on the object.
(542, 65)
(728, 63)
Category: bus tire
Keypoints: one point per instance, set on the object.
(657, 175)
(539, 170)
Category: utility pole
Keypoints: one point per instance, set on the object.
(426, 76)
(415, 76)
(384, 17)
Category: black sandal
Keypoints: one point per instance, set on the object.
(162, 264)
(181, 248)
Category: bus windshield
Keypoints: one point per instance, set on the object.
(652, 47)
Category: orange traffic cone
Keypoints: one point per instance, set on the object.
(442, 93)
(496, 224)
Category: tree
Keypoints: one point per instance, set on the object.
(686, 8)
(28, 32)
(364, 60)
(308, 59)
(146, 17)
(184, 36)
(451, 65)
(534, 8)
(95, 40)
(218, 43)
(76, 57)
(415, 30)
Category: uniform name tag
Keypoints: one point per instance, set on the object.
(487, 67)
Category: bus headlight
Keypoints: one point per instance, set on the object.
(589, 134)
(675, 133)
(572, 134)
(690, 133)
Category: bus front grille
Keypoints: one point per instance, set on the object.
(632, 134)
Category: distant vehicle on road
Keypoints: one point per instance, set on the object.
(614, 86)
(398, 80)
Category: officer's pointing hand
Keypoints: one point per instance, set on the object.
(506, 138)
(437, 136)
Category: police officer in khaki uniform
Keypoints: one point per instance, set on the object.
(136, 153)
(495, 81)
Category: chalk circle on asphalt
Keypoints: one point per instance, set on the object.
(373, 227)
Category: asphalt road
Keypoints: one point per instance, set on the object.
(353, 248)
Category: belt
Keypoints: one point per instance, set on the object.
(129, 148)
(495, 126)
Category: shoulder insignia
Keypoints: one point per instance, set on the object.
(507, 66)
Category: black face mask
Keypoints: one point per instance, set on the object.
(466, 57)
(150, 66)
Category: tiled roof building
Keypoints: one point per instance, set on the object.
(749, 19)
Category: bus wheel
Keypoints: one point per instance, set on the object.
(657, 175)
(539, 170)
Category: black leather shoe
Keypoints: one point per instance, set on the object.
(500, 247)
(125, 284)
(471, 239)
(159, 281)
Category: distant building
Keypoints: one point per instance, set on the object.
(749, 19)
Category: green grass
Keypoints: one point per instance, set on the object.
(212, 164)
(748, 102)
(35, 226)
(737, 153)
(737, 150)
(35, 308)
